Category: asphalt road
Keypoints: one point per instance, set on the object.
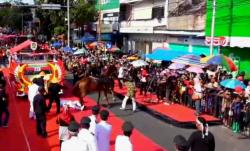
(163, 133)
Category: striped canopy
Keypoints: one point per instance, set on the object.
(192, 60)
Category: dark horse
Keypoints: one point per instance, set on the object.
(90, 84)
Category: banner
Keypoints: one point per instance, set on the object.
(218, 41)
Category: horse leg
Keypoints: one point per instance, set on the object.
(113, 95)
(82, 101)
(99, 95)
(106, 97)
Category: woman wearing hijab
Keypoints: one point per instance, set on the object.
(202, 139)
(64, 120)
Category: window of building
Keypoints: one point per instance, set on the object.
(158, 12)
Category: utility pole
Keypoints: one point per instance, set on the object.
(22, 23)
(99, 20)
(212, 28)
(68, 19)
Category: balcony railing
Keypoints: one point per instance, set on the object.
(143, 23)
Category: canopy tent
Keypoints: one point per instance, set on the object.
(190, 60)
(57, 44)
(164, 54)
(88, 38)
(80, 51)
(21, 46)
(67, 49)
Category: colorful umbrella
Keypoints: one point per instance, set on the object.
(95, 44)
(190, 59)
(133, 58)
(114, 49)
(139, 63)
(175, 66)
(232, 83)
(223, 61)
(195, 69)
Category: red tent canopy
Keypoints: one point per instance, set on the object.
(21, 46)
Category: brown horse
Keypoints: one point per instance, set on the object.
(90, 84)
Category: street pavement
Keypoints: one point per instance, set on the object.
(163, 133)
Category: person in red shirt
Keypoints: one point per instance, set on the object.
(144, 81)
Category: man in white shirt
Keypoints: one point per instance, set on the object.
(32, 92)
(86, 136)
(122, 142)
(93, 118)
(103, 132)
(73, 144)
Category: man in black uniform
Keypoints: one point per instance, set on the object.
(54, 89)
(201, 140)
(40, 109)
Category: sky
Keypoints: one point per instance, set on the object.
(25, 1)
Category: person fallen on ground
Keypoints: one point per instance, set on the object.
(74, 143)
(86, 136)
(123, 142)
(93, 118)
(103, 132)
(180, 143)
(202, 139)
(64, 120)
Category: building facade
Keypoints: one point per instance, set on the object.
(174, 24)
(109, 27)
(231, 32)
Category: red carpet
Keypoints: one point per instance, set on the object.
(13, 138)
(176, 112)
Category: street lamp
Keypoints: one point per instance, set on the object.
(212, 28)
(68, 19)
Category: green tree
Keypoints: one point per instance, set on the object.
(84, 12)
(81, 12)
(14, 16)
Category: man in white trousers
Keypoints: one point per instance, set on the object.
(131, 90)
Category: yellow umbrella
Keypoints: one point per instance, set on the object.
(205, 59)
(132, 58)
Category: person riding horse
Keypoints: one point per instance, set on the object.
(89, 84)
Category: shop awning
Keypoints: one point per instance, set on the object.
(165, 54)
(21, 46)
